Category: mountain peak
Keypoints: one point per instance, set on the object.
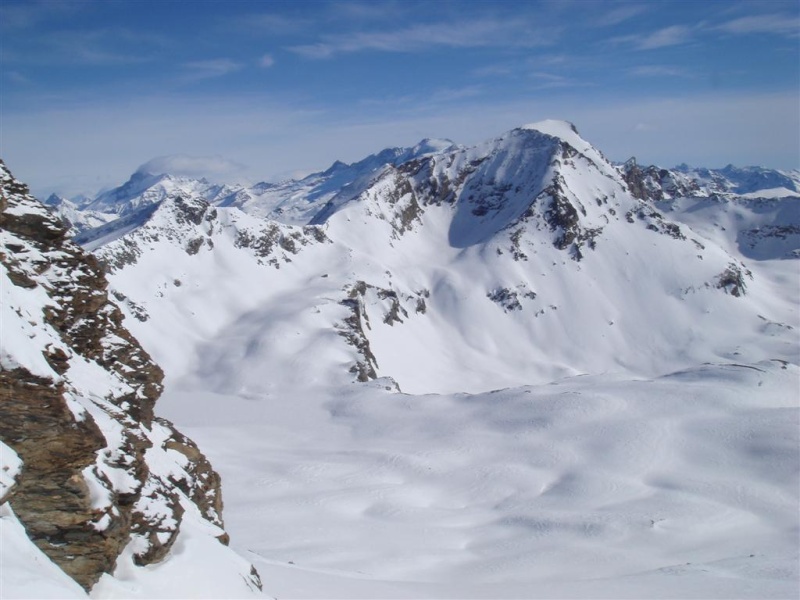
(566, 132)
(54, 200)
(336, 166)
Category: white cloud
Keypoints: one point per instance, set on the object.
(675, 35)
(369, 11)
(104, 46)
(659, 71)
(618, 15)
(315, 51)
(464, 34)
(205, 69)
(771, 24)
(214, 167)
(18, 78)
(269, 23)
(266, 61)
(31, 13)
(553, 80)
(643, 127)
(668, 36)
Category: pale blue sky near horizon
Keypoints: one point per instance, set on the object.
(241, 89)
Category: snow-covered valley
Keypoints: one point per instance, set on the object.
(512, 370)
(592, 487)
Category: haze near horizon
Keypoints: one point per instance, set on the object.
(262, 91)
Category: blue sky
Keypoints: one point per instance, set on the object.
(90, 90)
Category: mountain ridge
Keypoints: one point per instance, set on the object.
(299, 201)
(99, 484)
(419, 255)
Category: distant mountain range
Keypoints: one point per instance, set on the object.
(297, 202)
(443, 266)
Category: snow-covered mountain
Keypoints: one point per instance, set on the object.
(145, 189)
(297, 202)
(507, 370)
(76, 218)
(292, 202)
(445, 272)
(92, 481)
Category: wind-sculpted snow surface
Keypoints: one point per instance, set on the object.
(685, 486)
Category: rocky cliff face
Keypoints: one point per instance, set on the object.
(100, 474)
(657, 184)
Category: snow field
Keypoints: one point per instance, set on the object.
(687, 484)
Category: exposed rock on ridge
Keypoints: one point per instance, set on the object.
(100, 474)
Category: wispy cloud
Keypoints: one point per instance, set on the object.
(445, 95)
(668, 36)
(423, 103)
(644, 127)
(465, 34)
(659, 71)
(369, 11)
(269, 23)
(618, 15)
(339, 15)
(31, 13)
(551, 70)
(266, 61)
(498, 70)
(98, 47)
(675, 35)
(18, 78)
(551, 80)
(192, 166)
(771, 24)
(206, 69)
(316, 51)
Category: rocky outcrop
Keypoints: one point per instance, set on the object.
(51, 497)
(352, 330)
(99, 472)
(654, 184)
(732, 280)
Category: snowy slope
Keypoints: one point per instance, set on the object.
(96, 492)
(685, 486)
(520, 241)
(78, 219)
